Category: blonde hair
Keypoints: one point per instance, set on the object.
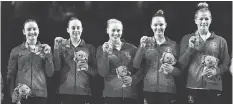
(29, 20)
(113, 20)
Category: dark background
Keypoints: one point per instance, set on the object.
(136, 16)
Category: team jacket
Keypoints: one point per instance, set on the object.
(149, 61)
(28, 68)
(73, 81)
(190, 59)
(107, 65)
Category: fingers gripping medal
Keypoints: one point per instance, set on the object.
(42, 50)
(108, 47)
(147, 42)
(196, 41)
(143, 41)
(150, 42)
(58, 41)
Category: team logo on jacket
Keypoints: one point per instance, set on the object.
(168, 49)
(213, 45)
(190, 99)
(127, 55)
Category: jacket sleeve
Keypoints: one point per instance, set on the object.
(2, 83)
(224, 58)
(91, 61)
(138, 63)
(176, 71)
(185, 52)
(49, 67)
(12, 70)
(102, 62)
(139, 57)
(57, 58)
(231, 67)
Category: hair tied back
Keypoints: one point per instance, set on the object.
(160, 12)
(202, 5)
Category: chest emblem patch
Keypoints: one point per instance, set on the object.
(127, 55)
(213, 45)
(168, 49)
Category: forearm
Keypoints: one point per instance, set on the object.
(137, 77)
(57, 60)
(176, 72)
(91, 71)
(103, 64)
(224, 59)
(49, 67)
(138, 57)
(185, 58)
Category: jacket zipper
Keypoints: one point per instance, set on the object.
(31, 68)
(75, 71)
(157, 75)
(159, 65)
(122, 89)
(202, 78)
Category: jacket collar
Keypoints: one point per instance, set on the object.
(167, 41)
(68, 42)
(213, 35)
(24, 45)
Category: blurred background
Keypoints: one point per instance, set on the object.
(52, 17)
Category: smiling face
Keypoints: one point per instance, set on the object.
(115, 31)
(31, 31)
(158, 25)
(203, 20)
(75, 29)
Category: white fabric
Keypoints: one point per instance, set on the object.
(205, 37)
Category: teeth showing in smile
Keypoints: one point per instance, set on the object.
(76, 33)
(159, 30)
(203, 25)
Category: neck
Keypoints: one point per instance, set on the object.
(116, 42)
(203, 31)
(75, 42)
(31, 42)
(159, 38)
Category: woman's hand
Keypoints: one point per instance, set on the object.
(57, 42)
(143, 41)
(83, 65)
(47, 48)
(192, 40)
(210, 72)
(107, 47)
(127, 80)
(166, 68)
